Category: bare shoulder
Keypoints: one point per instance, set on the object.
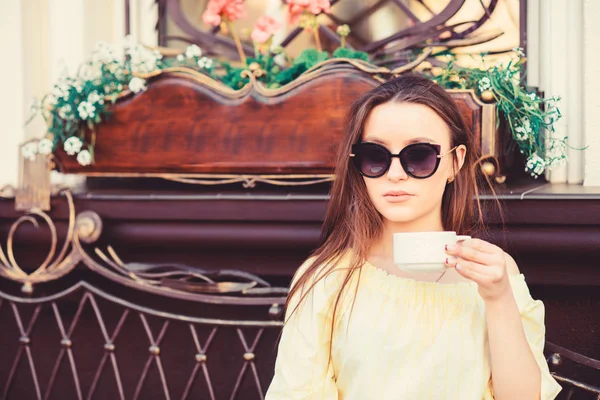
(511, 266)
(312, 272)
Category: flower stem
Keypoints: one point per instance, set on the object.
(236, 39)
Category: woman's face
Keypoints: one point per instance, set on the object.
(407, 203)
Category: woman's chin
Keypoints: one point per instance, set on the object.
(399, 216)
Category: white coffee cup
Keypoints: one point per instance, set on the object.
(423, 251)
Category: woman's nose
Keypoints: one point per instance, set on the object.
(396, 172)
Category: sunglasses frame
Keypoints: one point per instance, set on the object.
(436, 147)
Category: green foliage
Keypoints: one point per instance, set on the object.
(531, 119)
(344, 52)
(274, 75)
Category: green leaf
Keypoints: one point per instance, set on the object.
(288, 75)
(343, 52)
(311, 57)
(233, 78)
(250, 60)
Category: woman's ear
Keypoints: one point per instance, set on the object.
(459, 159)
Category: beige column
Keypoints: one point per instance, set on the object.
(591, 90)
(554, 37)
(144, 14)
(66, 36)
(553, 69)
(35, 58)
(533, 43)
(66, 51)
(12, 109)
(576, 171)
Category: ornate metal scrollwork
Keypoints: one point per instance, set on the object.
(173, 280)
(54, 266)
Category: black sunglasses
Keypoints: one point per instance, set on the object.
(419, 160)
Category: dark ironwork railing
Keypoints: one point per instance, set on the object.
(208, 349)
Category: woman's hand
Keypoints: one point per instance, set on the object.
(484, 263)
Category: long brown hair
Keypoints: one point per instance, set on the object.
(352, 223)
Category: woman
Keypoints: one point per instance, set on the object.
(357, 327)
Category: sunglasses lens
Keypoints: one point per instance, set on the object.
(419, 160)
(371, 159)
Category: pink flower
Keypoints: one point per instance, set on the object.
(297, 7)
(223, 9)
(264, 28)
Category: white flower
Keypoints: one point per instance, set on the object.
(555, 162)
(86, 110)
(29, 151)
(524, 130)
(180, 57)
(94, 97)
(193, 51)
(526, 124)
(61, 90)
(77, 85)
(484, 84)
(205, 62)
(104, 53)
(73, 145)
(84, 158)
(519, 51)
(535, 164)
(65, 112)
(532, 96)
(521, 133)
(137, 85)
(90, 72)
(44, 146)
(556, 156)
(556, 150)
(143, 59)
(157, 54)
(113, 68)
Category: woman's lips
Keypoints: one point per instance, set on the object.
(397, 196)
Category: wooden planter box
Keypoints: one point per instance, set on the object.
(187, 125)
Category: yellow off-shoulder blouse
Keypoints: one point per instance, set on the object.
(402, 339)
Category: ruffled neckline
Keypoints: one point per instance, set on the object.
(379, 273)
(382, 282)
